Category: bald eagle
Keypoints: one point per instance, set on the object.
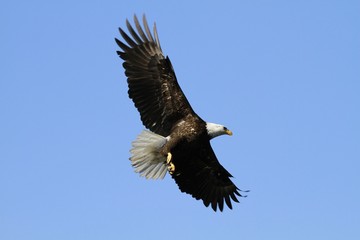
(177, 139)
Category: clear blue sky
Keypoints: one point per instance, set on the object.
(284, 76)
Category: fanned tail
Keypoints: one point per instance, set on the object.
(145, 156)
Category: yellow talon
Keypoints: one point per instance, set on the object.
(171, 166)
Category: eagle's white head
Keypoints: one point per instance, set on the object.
(215, 130)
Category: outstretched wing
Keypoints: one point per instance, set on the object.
(151, 79)
(199, 173)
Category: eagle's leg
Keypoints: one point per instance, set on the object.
(171, 166)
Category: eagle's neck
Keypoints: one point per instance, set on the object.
(214, 130)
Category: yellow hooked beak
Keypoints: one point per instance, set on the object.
(228, 132)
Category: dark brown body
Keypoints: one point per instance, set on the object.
(186, 130)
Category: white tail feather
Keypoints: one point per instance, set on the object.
(145, 156)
